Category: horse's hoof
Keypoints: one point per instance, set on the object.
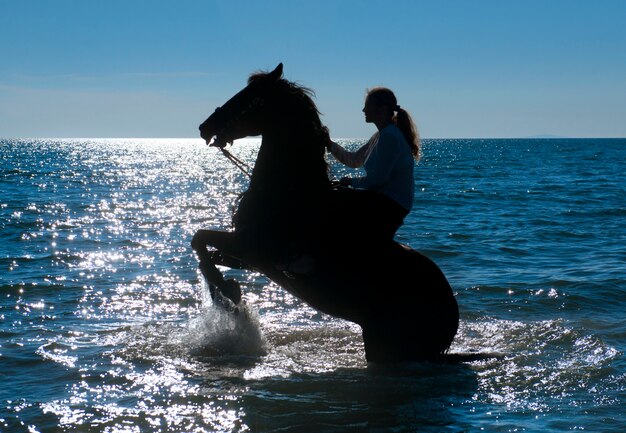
(231, 289)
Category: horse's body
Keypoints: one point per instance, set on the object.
(400, 298)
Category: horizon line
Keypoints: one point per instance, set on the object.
(534, 137)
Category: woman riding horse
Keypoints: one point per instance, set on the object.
(400, 298)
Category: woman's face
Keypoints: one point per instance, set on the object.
(373, 112)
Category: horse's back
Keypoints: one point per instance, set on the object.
(393, 275)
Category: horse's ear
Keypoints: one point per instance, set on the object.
(277, 73)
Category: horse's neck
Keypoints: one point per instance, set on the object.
(283, 178)
(285, 166)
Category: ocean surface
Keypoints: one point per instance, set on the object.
(106, 326)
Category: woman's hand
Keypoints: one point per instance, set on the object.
(329, 145)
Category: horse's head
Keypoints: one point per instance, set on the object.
(241, 116)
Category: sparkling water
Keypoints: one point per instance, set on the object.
(106, 325)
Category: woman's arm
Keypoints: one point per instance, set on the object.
(351, 159)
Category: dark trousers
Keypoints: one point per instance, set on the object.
(366, 215)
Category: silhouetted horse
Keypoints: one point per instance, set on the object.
(400, 298)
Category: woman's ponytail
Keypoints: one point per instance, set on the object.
(404, 122)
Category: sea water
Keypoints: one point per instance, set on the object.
(106, 326)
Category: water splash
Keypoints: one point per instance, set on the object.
(218, 332)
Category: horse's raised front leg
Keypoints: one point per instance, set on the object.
(226, 248)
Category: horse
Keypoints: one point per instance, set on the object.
(295, 226)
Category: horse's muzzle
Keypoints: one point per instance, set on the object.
(215, 140)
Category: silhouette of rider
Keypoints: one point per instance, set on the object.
(384, 196)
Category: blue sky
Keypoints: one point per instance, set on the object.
(462, 68)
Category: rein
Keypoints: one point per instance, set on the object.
(238, 163)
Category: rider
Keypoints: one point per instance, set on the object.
(384, 196)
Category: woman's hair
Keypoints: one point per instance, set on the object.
(385, 97)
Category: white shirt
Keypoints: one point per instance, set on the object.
(388, 164)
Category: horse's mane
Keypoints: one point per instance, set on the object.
(302, 108)
(303, 97)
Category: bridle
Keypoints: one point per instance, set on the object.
(245, 168)
(237, 162)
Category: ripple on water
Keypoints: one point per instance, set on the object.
(541, 364)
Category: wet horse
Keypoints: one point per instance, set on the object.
(291, 214)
